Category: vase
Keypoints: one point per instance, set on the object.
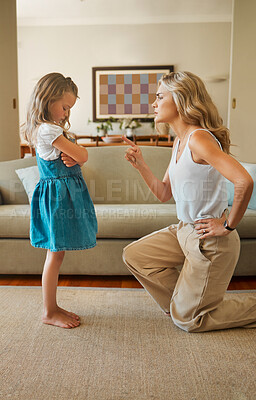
(102, 132)
(129, 132)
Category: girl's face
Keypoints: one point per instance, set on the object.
(164, 106)
(59, 109)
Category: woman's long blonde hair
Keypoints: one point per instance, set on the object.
(48, 89)
(195, 105)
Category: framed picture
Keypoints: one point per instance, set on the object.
(126, 92)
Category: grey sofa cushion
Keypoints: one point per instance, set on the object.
(14, 221)
(112, 180)
(247, 226)
(117, 221)
(133, 221)
(109, 177)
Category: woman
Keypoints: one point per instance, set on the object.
(205, 240)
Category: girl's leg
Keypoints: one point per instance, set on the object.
(153, 260)
(52, 313)
(198, 303)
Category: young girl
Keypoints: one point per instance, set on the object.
(62, 213)
(205, 241)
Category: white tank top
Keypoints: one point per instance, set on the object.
(199, 190)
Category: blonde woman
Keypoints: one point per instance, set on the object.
(62, 213)
(205, 240)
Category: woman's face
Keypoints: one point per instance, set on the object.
(164, 106)
(59, 110)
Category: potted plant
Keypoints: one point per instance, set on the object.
(129, 124)
(104, 126)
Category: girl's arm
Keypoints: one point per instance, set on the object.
(203, 147)
(69, 161)
(78, 153)
(161, 189)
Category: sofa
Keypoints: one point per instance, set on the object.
(126, 210)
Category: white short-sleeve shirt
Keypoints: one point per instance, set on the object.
(46, 135)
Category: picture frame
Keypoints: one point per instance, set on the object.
(126, 92)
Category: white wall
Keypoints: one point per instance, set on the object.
(202, 48)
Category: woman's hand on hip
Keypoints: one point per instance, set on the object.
(211, 227)
(133, 154)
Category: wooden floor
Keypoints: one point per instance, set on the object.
(237, 283)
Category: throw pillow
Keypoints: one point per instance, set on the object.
(29, 177)
(251, 169)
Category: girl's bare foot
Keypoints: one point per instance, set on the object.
(58, 318)
(73, 315)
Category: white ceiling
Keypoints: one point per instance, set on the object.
(105, 12)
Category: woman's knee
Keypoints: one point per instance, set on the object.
(184, 319)
(182, 316)
(185, 327)
(129, 253)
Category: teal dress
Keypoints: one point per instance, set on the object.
(62, 212)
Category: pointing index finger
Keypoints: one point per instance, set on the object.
(128, 141)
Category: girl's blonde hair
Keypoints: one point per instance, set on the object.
(48, 89)
(195, 105)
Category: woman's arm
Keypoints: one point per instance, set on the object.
(203, 147)
(78, 153)
(161, 189)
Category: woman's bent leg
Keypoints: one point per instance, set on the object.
(198, 302)
(153, 260)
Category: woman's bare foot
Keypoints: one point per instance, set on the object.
(58, 318)
(73, 315)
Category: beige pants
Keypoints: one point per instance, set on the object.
(195, 296)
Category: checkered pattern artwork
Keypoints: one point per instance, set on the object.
(128, 93)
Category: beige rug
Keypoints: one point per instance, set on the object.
(125, 349)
